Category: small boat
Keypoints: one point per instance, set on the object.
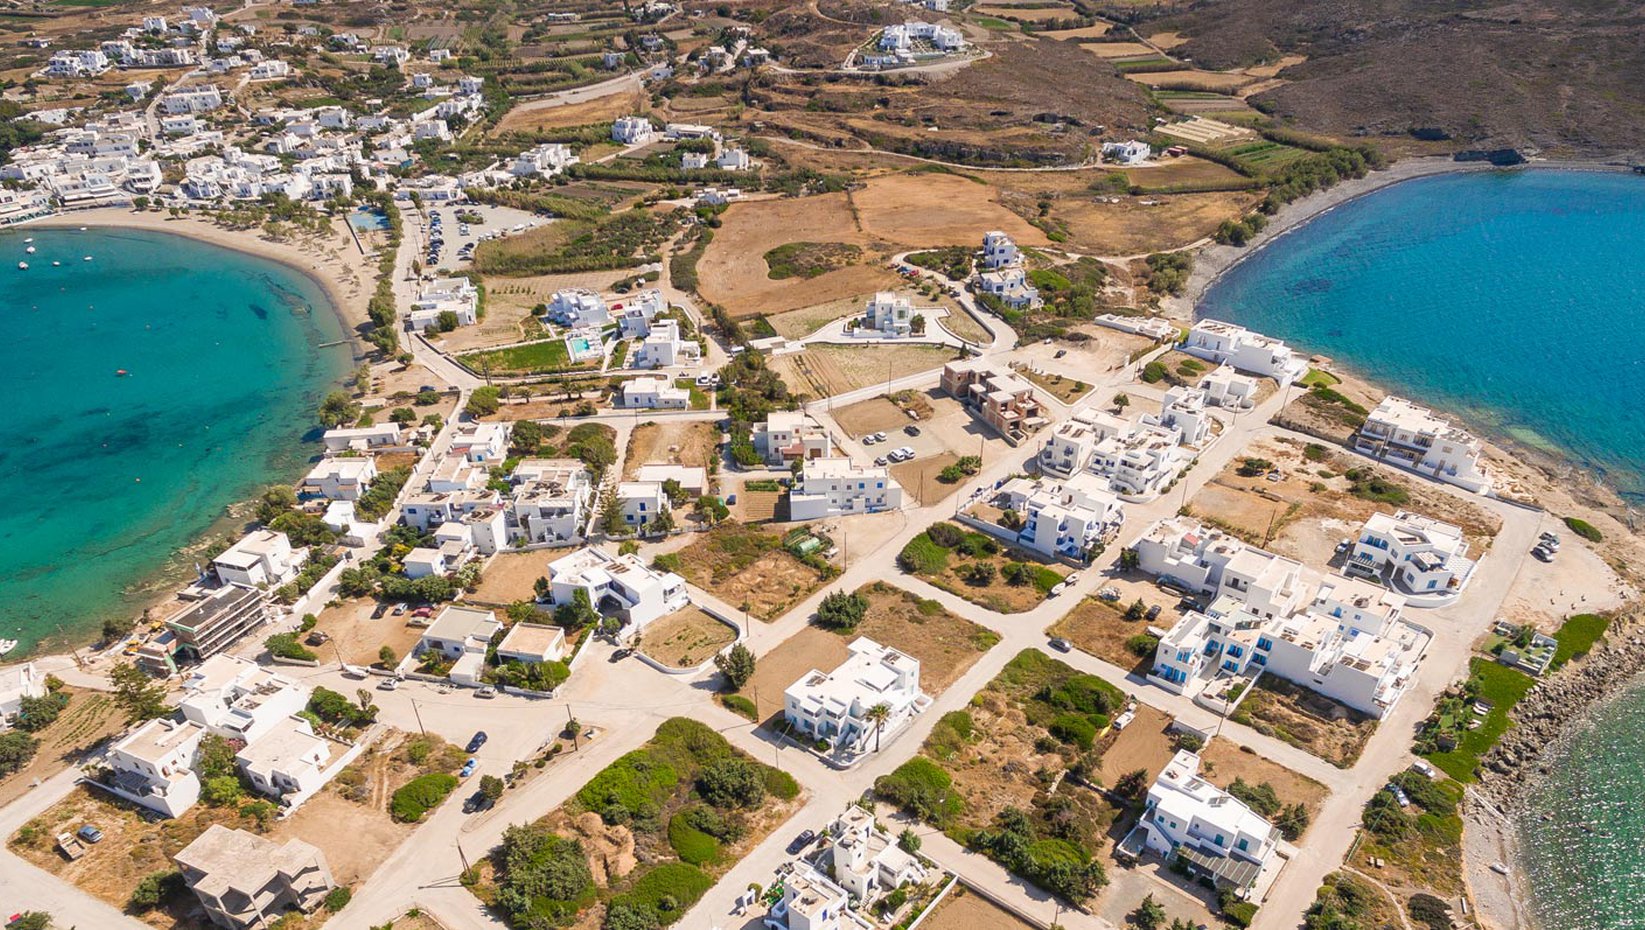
(86, 259)
(82, 229)
(22, 266)
(56, 264)
(7, 645)
(121, 372)
(28, 240)
(1499, 868)
(29, 250)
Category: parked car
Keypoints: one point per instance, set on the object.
(1551, 541)
(880, 461)
(318, 638)
(911, 430)
(477, 802)
(1425, 768)
(879, 437)
(1543, 553)
(1062, 645)
(1108, 594)
(89, 833)
(1400, 795)
(486, 692)
(869, 440)
(1152, 614)
(477, 740)
(1057, 589)
(469, 767)
(1071, 577)
(388, 684)
(801, 842)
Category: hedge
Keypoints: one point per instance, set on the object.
(781, 784)
(1584, 529)
(738, 704)
(416, 797)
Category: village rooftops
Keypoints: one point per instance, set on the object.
(457, 624)
(236, 861)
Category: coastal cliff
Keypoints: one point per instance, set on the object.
(1542, 716)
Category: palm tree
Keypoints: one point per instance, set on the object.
(878, 715)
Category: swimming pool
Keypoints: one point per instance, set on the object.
(368, 220)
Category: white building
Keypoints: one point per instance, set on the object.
(632, 130)
(789, 435)
(909, 36)
(692, 480)
(1213, 563)
(289, 763)
(1010, 285)
(201, 99)
(1065, 518)
(1139, 460)
(1130, 152)
(733, 159)
(272, 70)
(1215, 831)
(1417, 555)
(77, 63)
(1183, 410)
(458, 630)
(550, 500)
(1412, 437)
(1227, 388)
(999, 251)
(447, 557)
(578, 308)
(811, 901)
(1225, 343)
(261, 557)
(664, 347)
(834, 705)
(238, 699)
(867, 860)
(654, 393)
(888, 314)
(17, 683)
(363, 438)
(642, 502)
(833, 487)
(635, 314)
(153, 766)
(482, 443)
(245, 882)
(340, 479)
(457, 296)
(545, 160)
(532, 644)
(622, 585)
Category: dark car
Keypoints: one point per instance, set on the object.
(621, 654)
(477, 802)
(801, 842)
(1152, 614)
(317, 638)
(1062, 645)
(477, 741)
(911, 430)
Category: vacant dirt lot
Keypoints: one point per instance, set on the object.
(1079, 35)
(1306, 720)
(1119, 50)
(686, 638)
(1224, 761)
(810, 648)
(534, 116)
(510, 576)
(357, 637)
(1186, 170)
(919, 477)
(967, 910)
(868, 416)
(826, 370)
(928, 210)
(691, 443)
(1101, 629)
(733, 270)
(746, 565)
(1216, 80)
(89, 719)
(797, 324)
(1146, 744)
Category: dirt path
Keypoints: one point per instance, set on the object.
(1388, 892)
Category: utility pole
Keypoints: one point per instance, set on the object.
(418, 714)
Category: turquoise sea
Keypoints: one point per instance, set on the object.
(106, 478)
(1516, 300)
(1513, 299)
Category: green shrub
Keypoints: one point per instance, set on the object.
(544, 878)
(155, 889)
(922, 556)
(738, 704)
(416, 797)
(337, 899)
(1239, 913)
(1142, 645)
(634, 783)
(690, 843)
(667, 891)
(1153, 372)
(781, 784)
(1584, 529)
(1074, 729)
(286, 646)
(922, 788)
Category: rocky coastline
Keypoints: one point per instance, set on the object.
(1549, 709)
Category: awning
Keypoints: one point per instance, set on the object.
(1237, 872)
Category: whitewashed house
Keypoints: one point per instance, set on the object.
(577, 308)
(532, 644)
(1213, 831)
(789, 435)
(457, 296)
(17, 683)
(200, 99)
(664, 347)
(544, 160)
(238, 699)
(550, 500)
(1130, 152)
(1183, 410)
(1225, 387)
(340, 479)
(290, 762)
(834, 706)
(1413, 437)
(363, 438)
(642, 502)
(1062, 519)
(866, 860)
(654, 393)
(261, 557)
(482, 443)
(1225, 343)
(153, 766)
(458, 630)
(622, 586)
(1414, 554)
(832, 487)
(888, 314)
(632, 130)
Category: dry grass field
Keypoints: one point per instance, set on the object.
(674, 442)
(746, 565)
(1224, 761)
(686, 638)
(1027, 14)
(509, 577)
(928, 209)
(1218, 80)
(797, 324)
(538, 115)
(1088, 33)
(869, 416)
(826, 370)
(733, 270)
(964, 909)
(1119, 50)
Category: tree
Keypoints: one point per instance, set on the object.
(1132, 784)
(16, 750)
(712, 510)
(32, 920)
(908, 841)
(664, 521)
(446, 321)
(221, 791)
(404, 416)
(338, 409)
(878, 715)
(36, 713)
(141, 697)
(842, 611)
(541, 588)
(611, 517)
(491, 786)
(483, 402)
(737, 665)
(1129, 560)
(117, 626)
(732, 782)
(1136, 610)
(214, 758)
(274, 502)
(386, 657)
(1149, 915)
(1121, 401)
(577, 614)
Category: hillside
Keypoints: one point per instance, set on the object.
(1560, 76)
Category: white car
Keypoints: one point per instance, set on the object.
(869, 440)
(907, 452)
(879, 437)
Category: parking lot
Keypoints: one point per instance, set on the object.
(944, 433)
(495, 222)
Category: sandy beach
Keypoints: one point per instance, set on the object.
(1488, 839)
(334, 262)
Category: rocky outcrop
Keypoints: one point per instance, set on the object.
(1542, 716)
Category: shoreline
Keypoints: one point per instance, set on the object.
(335, 280)
(343, 290)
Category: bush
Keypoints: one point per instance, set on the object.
(286, 646)
(1142, 645)
(1074, 729)
(337, 899)
(922, 788)
(544, 877)
(922, 555)
(635, 782)
(692, 844)
(738, 704)
(732, 782)
(667, 891)
(155, 889)
(946, 535)
(842, 611)
(1154, 372)
(1239, 913)
(1584, 529)
(781, 784)
(416, 797)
